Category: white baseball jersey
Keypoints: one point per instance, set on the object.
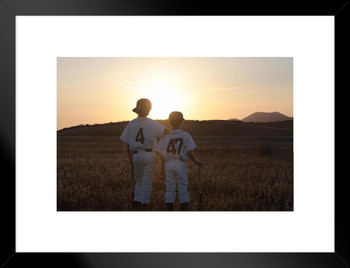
(142, 133)
(175, 145)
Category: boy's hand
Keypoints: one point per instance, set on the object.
(166, 131)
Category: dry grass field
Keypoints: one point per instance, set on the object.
(238, 174)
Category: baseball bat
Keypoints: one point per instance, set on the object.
(132, 189)
(200, 182)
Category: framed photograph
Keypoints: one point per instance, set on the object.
(166, 135)
(208, 160)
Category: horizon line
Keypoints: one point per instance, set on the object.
(231, 119)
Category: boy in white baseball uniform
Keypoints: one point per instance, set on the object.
(176, 148)
(141, 135)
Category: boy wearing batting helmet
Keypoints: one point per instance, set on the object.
(141, 135)
(176, 148)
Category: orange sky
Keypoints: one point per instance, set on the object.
(101, 90)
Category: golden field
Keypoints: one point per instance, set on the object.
(239, 173)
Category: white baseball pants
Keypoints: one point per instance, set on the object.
(176, 174)
(144, 163)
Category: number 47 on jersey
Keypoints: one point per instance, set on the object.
(174, 146)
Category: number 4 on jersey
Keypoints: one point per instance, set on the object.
(139, 136)
(171, 149)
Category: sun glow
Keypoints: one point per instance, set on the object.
(165, 98)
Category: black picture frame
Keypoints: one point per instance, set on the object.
(9, 9)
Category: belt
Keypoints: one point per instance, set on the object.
(174, 159)
(145, 150)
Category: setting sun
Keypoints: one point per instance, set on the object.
(165, 98)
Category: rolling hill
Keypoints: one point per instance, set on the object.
(263, 117)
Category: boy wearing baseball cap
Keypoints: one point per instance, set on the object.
(176, 148)
(141, 135)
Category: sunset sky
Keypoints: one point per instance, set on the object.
(102, 90)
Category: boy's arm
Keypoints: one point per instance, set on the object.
(159, 129)
(166, 131)
(191, 155)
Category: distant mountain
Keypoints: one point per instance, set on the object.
(263, 117)
(233, 119)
